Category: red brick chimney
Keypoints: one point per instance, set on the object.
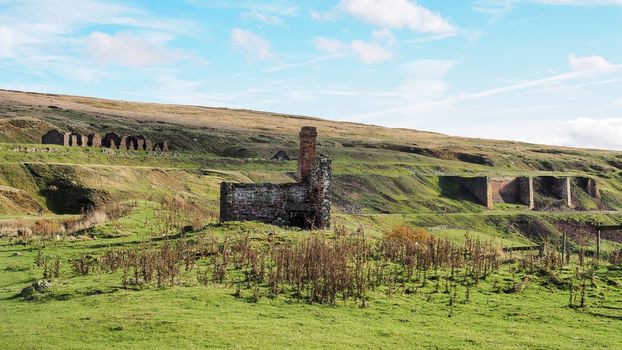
(306, 159)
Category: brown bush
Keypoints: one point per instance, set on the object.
(47, 227)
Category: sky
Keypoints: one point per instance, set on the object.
(544, 71)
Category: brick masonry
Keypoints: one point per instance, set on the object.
(308, 136)
(305, 204)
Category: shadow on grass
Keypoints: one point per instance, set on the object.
(611, 317)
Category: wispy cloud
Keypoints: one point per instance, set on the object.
(591, 64)
(366, 52)
(399, 14)
(495, 9)
(304, 63)
(254, 46)
(580, 2)
(590, 132)
(131, 50)
(48, 37)
(587, 71)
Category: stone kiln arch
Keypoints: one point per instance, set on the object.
(111, 140)
(136, 142)
(93, 140)
(54, 137)
(76, 140)
(161, 146)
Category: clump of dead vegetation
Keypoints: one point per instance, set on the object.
(178, 214)
(316, 269)
(615, 258)
(49, 228)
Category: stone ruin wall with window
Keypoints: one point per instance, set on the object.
(109, 140)
(305, 204)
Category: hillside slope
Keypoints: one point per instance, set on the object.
(377, 169)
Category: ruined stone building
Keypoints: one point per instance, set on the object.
(489, 190)
(305, 204)
(110, 140)
(281, 156)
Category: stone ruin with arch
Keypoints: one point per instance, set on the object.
(109, 140)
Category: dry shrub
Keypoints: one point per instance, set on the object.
(47, 228)
(14, 228)
(96, 216)
(315, 268)
(90, 219)
(407, 235)
(177, 212)
(615, 258)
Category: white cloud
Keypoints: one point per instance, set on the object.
(327, 16)
(370, 53)
(425, 79)
(594, 133)
(366, 52)
(384, 36)
(440, 100)
(597, 64)
(130, 50)
(429, 69)
(580, 2)
(44, 37)
(6, 42)
(304, 63)
(329, 45)
(264, 18)
(496, 9)
(399, 14)
(253, 45)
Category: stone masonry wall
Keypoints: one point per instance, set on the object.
(305, 204)
(269, 203)
(512, 190)
(479, 187)
(320, 191)
(490, 190)
(110, 140)
(53, 137)
(558, 187)
(589, 185)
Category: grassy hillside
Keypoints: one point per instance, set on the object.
(224, 295)
(386, 170)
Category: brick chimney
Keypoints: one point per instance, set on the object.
(306, 159)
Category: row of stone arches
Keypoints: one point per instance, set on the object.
(109, 140)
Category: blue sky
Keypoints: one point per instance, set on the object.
(547, 71)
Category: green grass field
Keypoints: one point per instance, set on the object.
(383, 178)
(95, 311)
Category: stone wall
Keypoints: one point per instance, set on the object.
(478, 187)
(54, 137)
(589, 185)
(110, 140)
(512, 190)
(277, 204)
(93, 140)
(305, 204)
(320, 191)
(524, 189)
(558, 187)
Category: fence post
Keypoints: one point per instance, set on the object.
(598, 245)
(563, 249)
